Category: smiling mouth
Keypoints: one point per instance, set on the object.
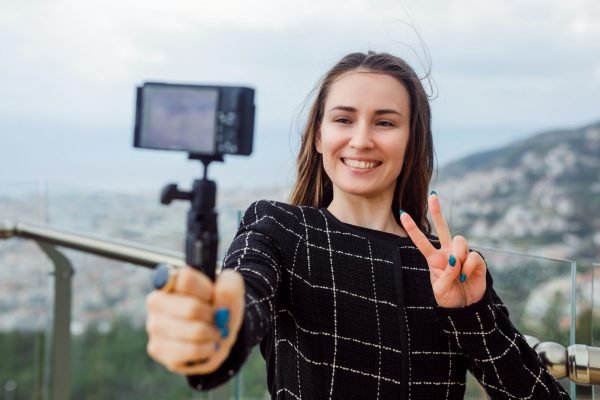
(361, 164)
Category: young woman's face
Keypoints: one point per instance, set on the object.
(364, 134)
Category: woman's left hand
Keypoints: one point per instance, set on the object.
(458, 276)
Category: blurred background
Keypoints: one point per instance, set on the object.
(515, 93)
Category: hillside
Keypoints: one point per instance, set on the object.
(540, 195)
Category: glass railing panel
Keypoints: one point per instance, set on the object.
(595, 315)
(595, 311)
(26, 300)
(251, 382)
(108, 297)
(137, 217)
(108, 359)
(585, 316)
(253, 378)
(539, 294)
(108, 311)
(25, 303)
(22, 202)
(25, 307)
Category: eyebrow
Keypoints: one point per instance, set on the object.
(377, 112)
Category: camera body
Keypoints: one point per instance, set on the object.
(198, 119)
(207, 122)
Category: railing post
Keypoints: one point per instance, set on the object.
(57, 369)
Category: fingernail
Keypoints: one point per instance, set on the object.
(224, 332)
(452, 261)
(462, 278)
(221, 318)
(401, 212)
(217, 346)
(433, 192)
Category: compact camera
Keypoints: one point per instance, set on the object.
(201, 120)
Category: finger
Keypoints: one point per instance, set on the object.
(456, 260)
(415, 234)
(460, 248)
(474, 264)
(174, 354)
(178, 306)
(229, 303)
(167, 327)
(452, 271)
(209, 365)
(444, 285)
(203, 367)
(194, 283)
(441, 227)
(229, 306)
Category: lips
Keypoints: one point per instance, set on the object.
(361, 164)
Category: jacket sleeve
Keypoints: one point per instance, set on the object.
(256, 255)
(499, 356)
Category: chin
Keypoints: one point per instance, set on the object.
(360, 191)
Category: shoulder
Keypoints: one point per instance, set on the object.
(278, 215)
(272, 209)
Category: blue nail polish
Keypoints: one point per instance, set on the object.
(433, 192)
(224, 332)
(222, 318)
(401, 212)
(462, 278)
(452, 261)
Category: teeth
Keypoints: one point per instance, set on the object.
(360, 164)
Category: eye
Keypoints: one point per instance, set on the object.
(385, 123)
(342, 120)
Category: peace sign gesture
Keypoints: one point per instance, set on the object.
(457, 275)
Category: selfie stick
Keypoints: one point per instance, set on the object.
(202, 238)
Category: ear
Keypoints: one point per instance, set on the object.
(318, 142)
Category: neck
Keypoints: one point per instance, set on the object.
(372, 213)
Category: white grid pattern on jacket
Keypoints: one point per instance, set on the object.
(322, 298)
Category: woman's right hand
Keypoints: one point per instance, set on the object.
(182, 334)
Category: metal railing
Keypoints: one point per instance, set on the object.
(57, 369)
(579, 363)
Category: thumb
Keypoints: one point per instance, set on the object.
(228, 300)
(229, 304)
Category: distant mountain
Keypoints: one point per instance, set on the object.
(540, 195)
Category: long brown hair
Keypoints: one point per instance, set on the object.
(314, 188)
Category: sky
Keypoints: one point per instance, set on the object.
(500, 71)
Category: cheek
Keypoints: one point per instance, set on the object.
(328, 144)
(329, 153)
(396, 149)
(402, 156)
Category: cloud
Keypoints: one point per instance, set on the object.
(72, 66)
(596, 78)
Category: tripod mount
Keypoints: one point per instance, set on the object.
(202, 238)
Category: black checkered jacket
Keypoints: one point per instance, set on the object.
(346, 312)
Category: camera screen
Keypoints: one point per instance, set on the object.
(179, 118)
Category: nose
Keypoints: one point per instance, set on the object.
(361, 137)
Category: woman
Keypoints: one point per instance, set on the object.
(345, 289)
